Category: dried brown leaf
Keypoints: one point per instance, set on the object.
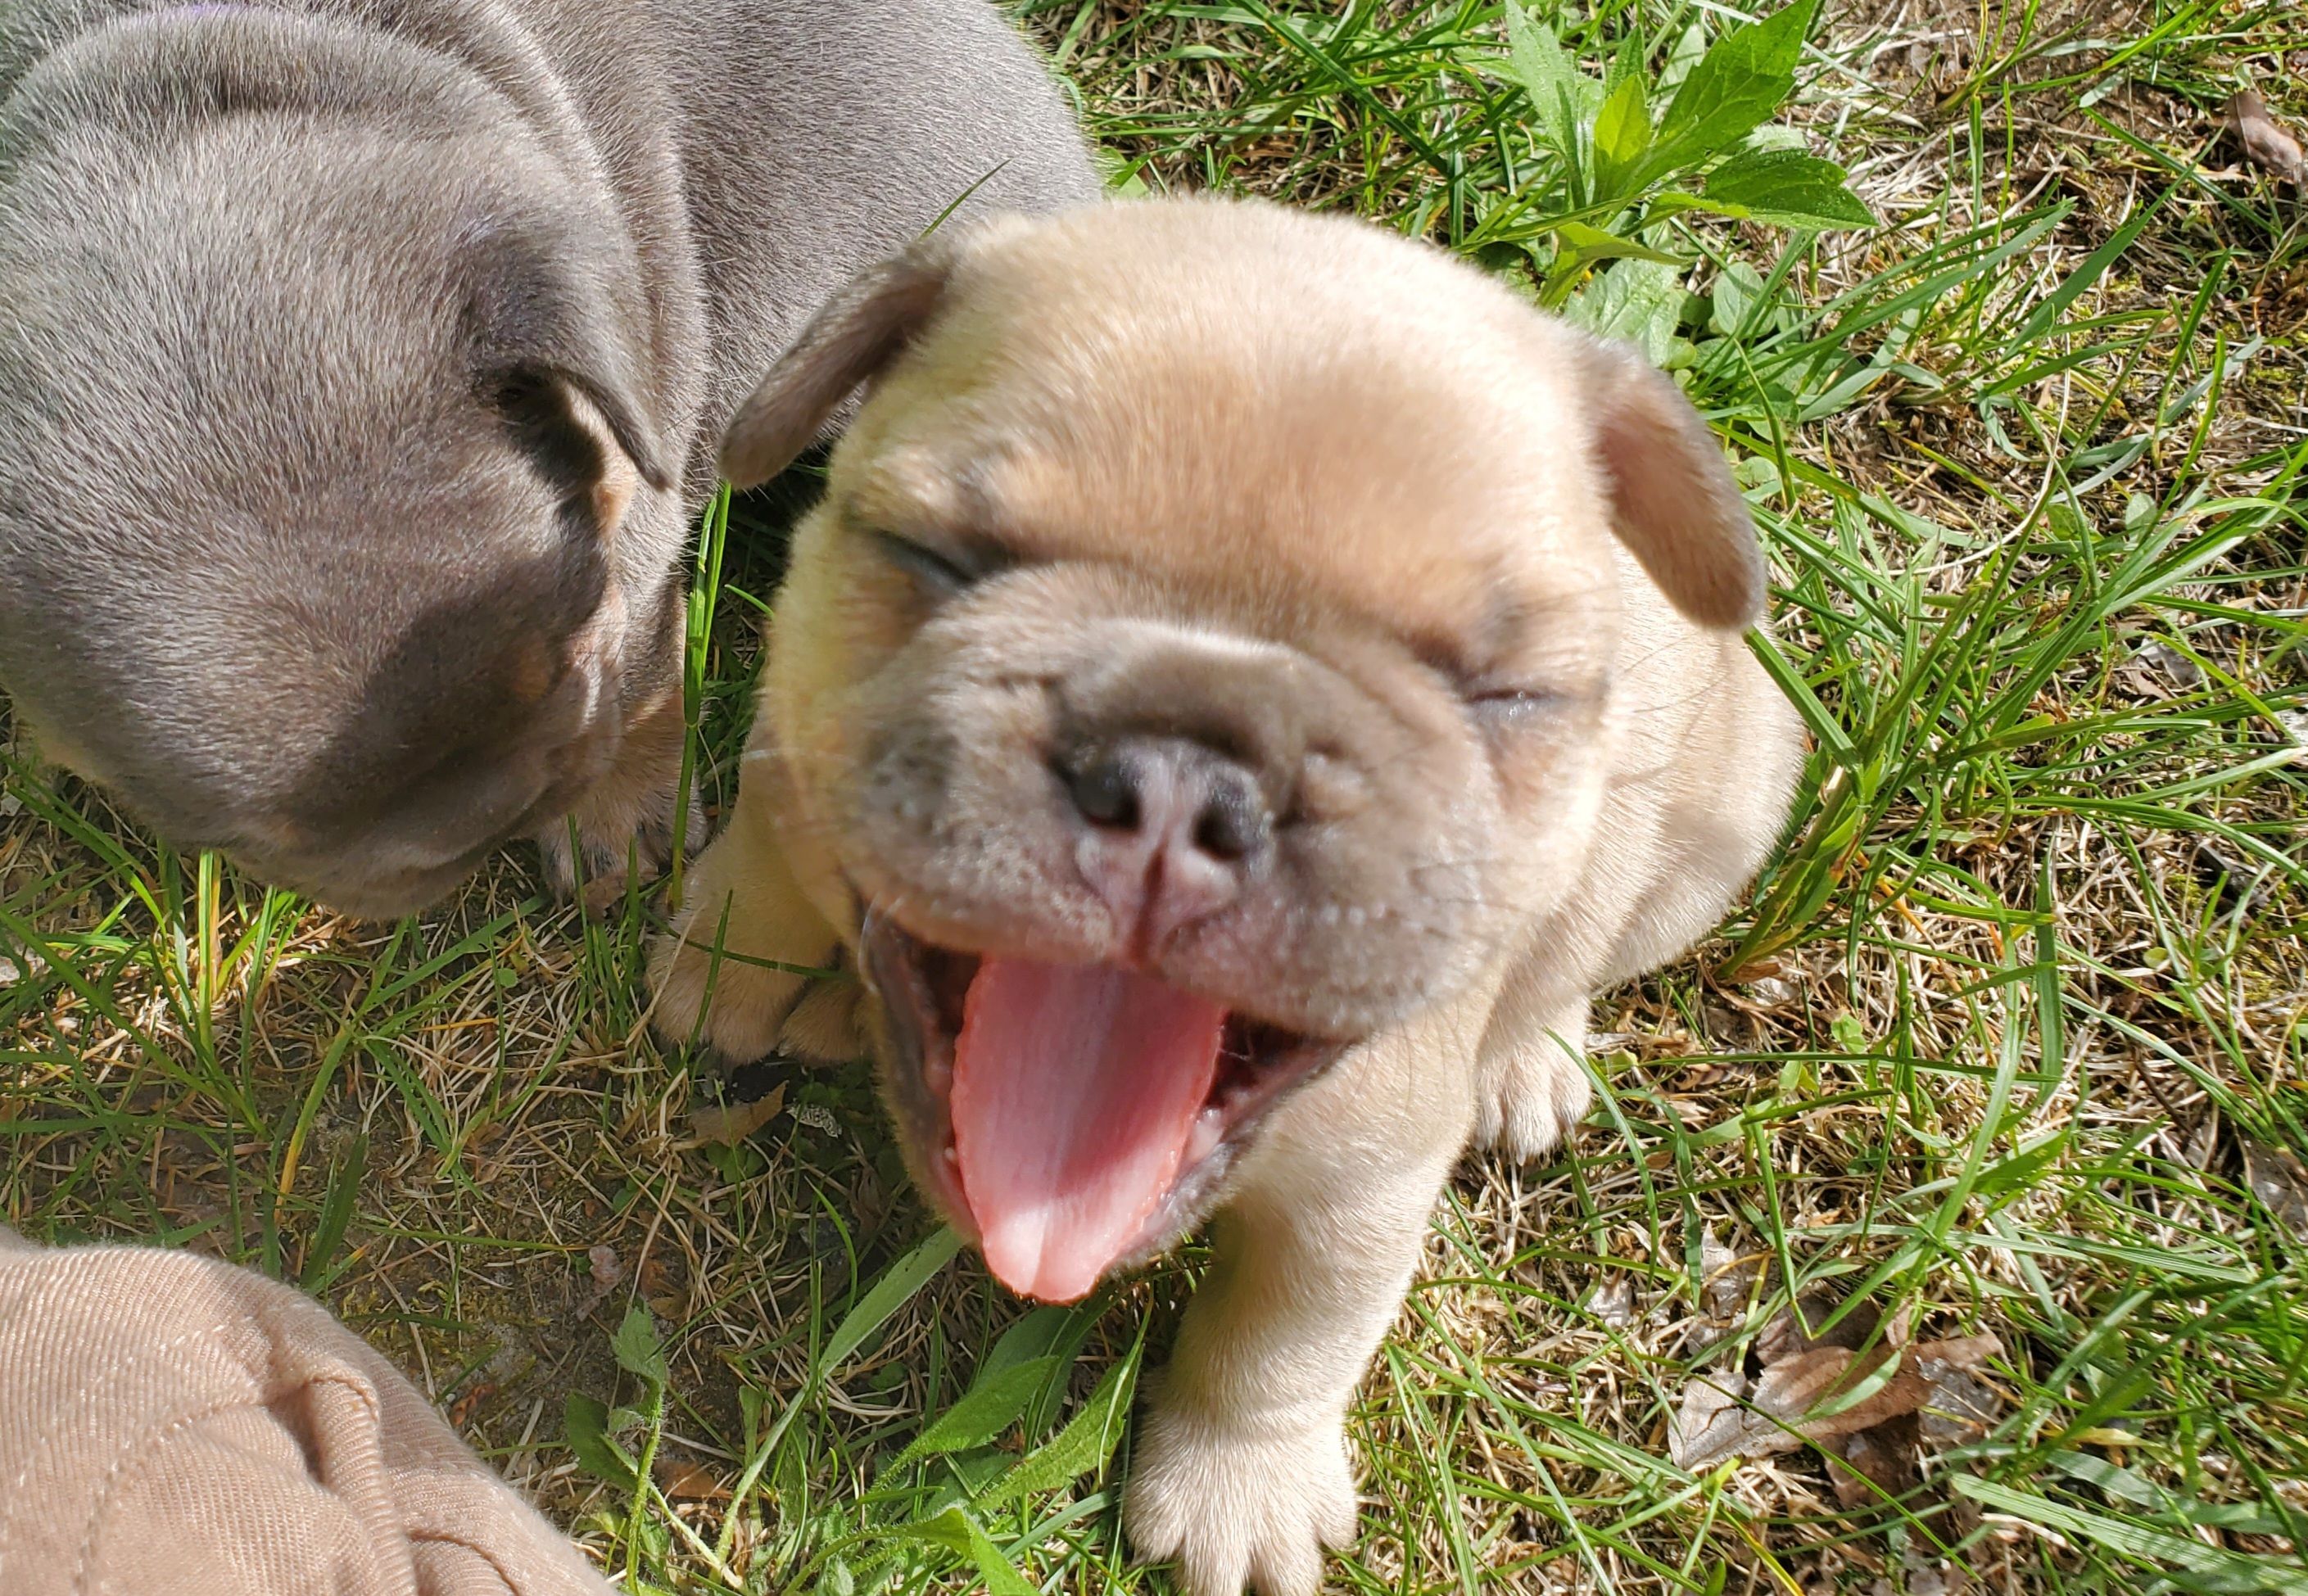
(725, 1125)
(1771, 994)
(689, 1482)
(1785, 1336)
(1962, 1408)
(2202, 1142)
(2279, 1180)
(2169, 663)
(604, 1265)
(1878, 1463)
(1709, 1425)
(1728, 1279)
(462, 1410)
(1960, 1352)
(1613, 1302)
(1811, 1380)
(2267, 144)
(1783, 1411)
(1928, 1576)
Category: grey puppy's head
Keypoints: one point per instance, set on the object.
(322, 399)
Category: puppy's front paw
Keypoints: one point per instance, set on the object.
(714, 976)
(1235, 1510)
(706, 995)
(1533, 1095)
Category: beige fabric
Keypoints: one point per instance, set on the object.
(171, 1426)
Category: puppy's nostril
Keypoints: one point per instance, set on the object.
(1105, 794)
(1228, 827)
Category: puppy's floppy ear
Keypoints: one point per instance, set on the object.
(857, 332)
(555, 349)
(1673, 501)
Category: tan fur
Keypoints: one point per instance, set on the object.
(1299, 487)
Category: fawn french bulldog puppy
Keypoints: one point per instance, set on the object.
(362, 365)
(1252, 679)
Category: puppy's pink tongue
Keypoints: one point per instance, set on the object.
(1075, 1089)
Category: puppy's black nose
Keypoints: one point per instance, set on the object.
(1173, 828)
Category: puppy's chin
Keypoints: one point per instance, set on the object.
(363, 898)
(1089, 1137)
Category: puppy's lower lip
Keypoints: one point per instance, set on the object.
(1071, 1207)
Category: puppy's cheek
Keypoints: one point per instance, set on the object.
(53, 748)
(1351, 932)
(953, 807)
(1415, 879)
(1553, 803)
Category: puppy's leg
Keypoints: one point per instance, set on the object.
(1240, 1470)
(625, 822)
(1531, 1086)
(827, 1024)
(742, 903)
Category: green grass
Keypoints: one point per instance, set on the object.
(2010, 1039)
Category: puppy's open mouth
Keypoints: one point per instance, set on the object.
(1075, 1116)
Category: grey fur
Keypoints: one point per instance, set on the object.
(335, 335)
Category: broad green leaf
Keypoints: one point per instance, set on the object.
(984, 1411)
(1638, 301)
(904, 1277)
(1038, 1335)
(635, 1343)
(1633, 55)
(1737, 286)
(2112, 1478)
(1559, 92)
(1045, 1332)
(1778, 135)
(1001, 1576)
(1623, 132)
(1590, 244)
(1673, 201)
(1087, 1442)
(958, 1531)
(1788, 188)
(1689, 49)
(585, 1425)
(1735, 87)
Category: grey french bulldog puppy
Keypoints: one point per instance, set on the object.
(362, 365)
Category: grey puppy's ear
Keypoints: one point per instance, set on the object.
(1673, 501)
(545, 317)
(857, 333)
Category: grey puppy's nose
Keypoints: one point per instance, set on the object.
(1171, 829)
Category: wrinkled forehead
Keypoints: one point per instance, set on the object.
(1441, 492)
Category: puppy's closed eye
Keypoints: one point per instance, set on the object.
(1499, 711)
(941, 573)
(1495, 700)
